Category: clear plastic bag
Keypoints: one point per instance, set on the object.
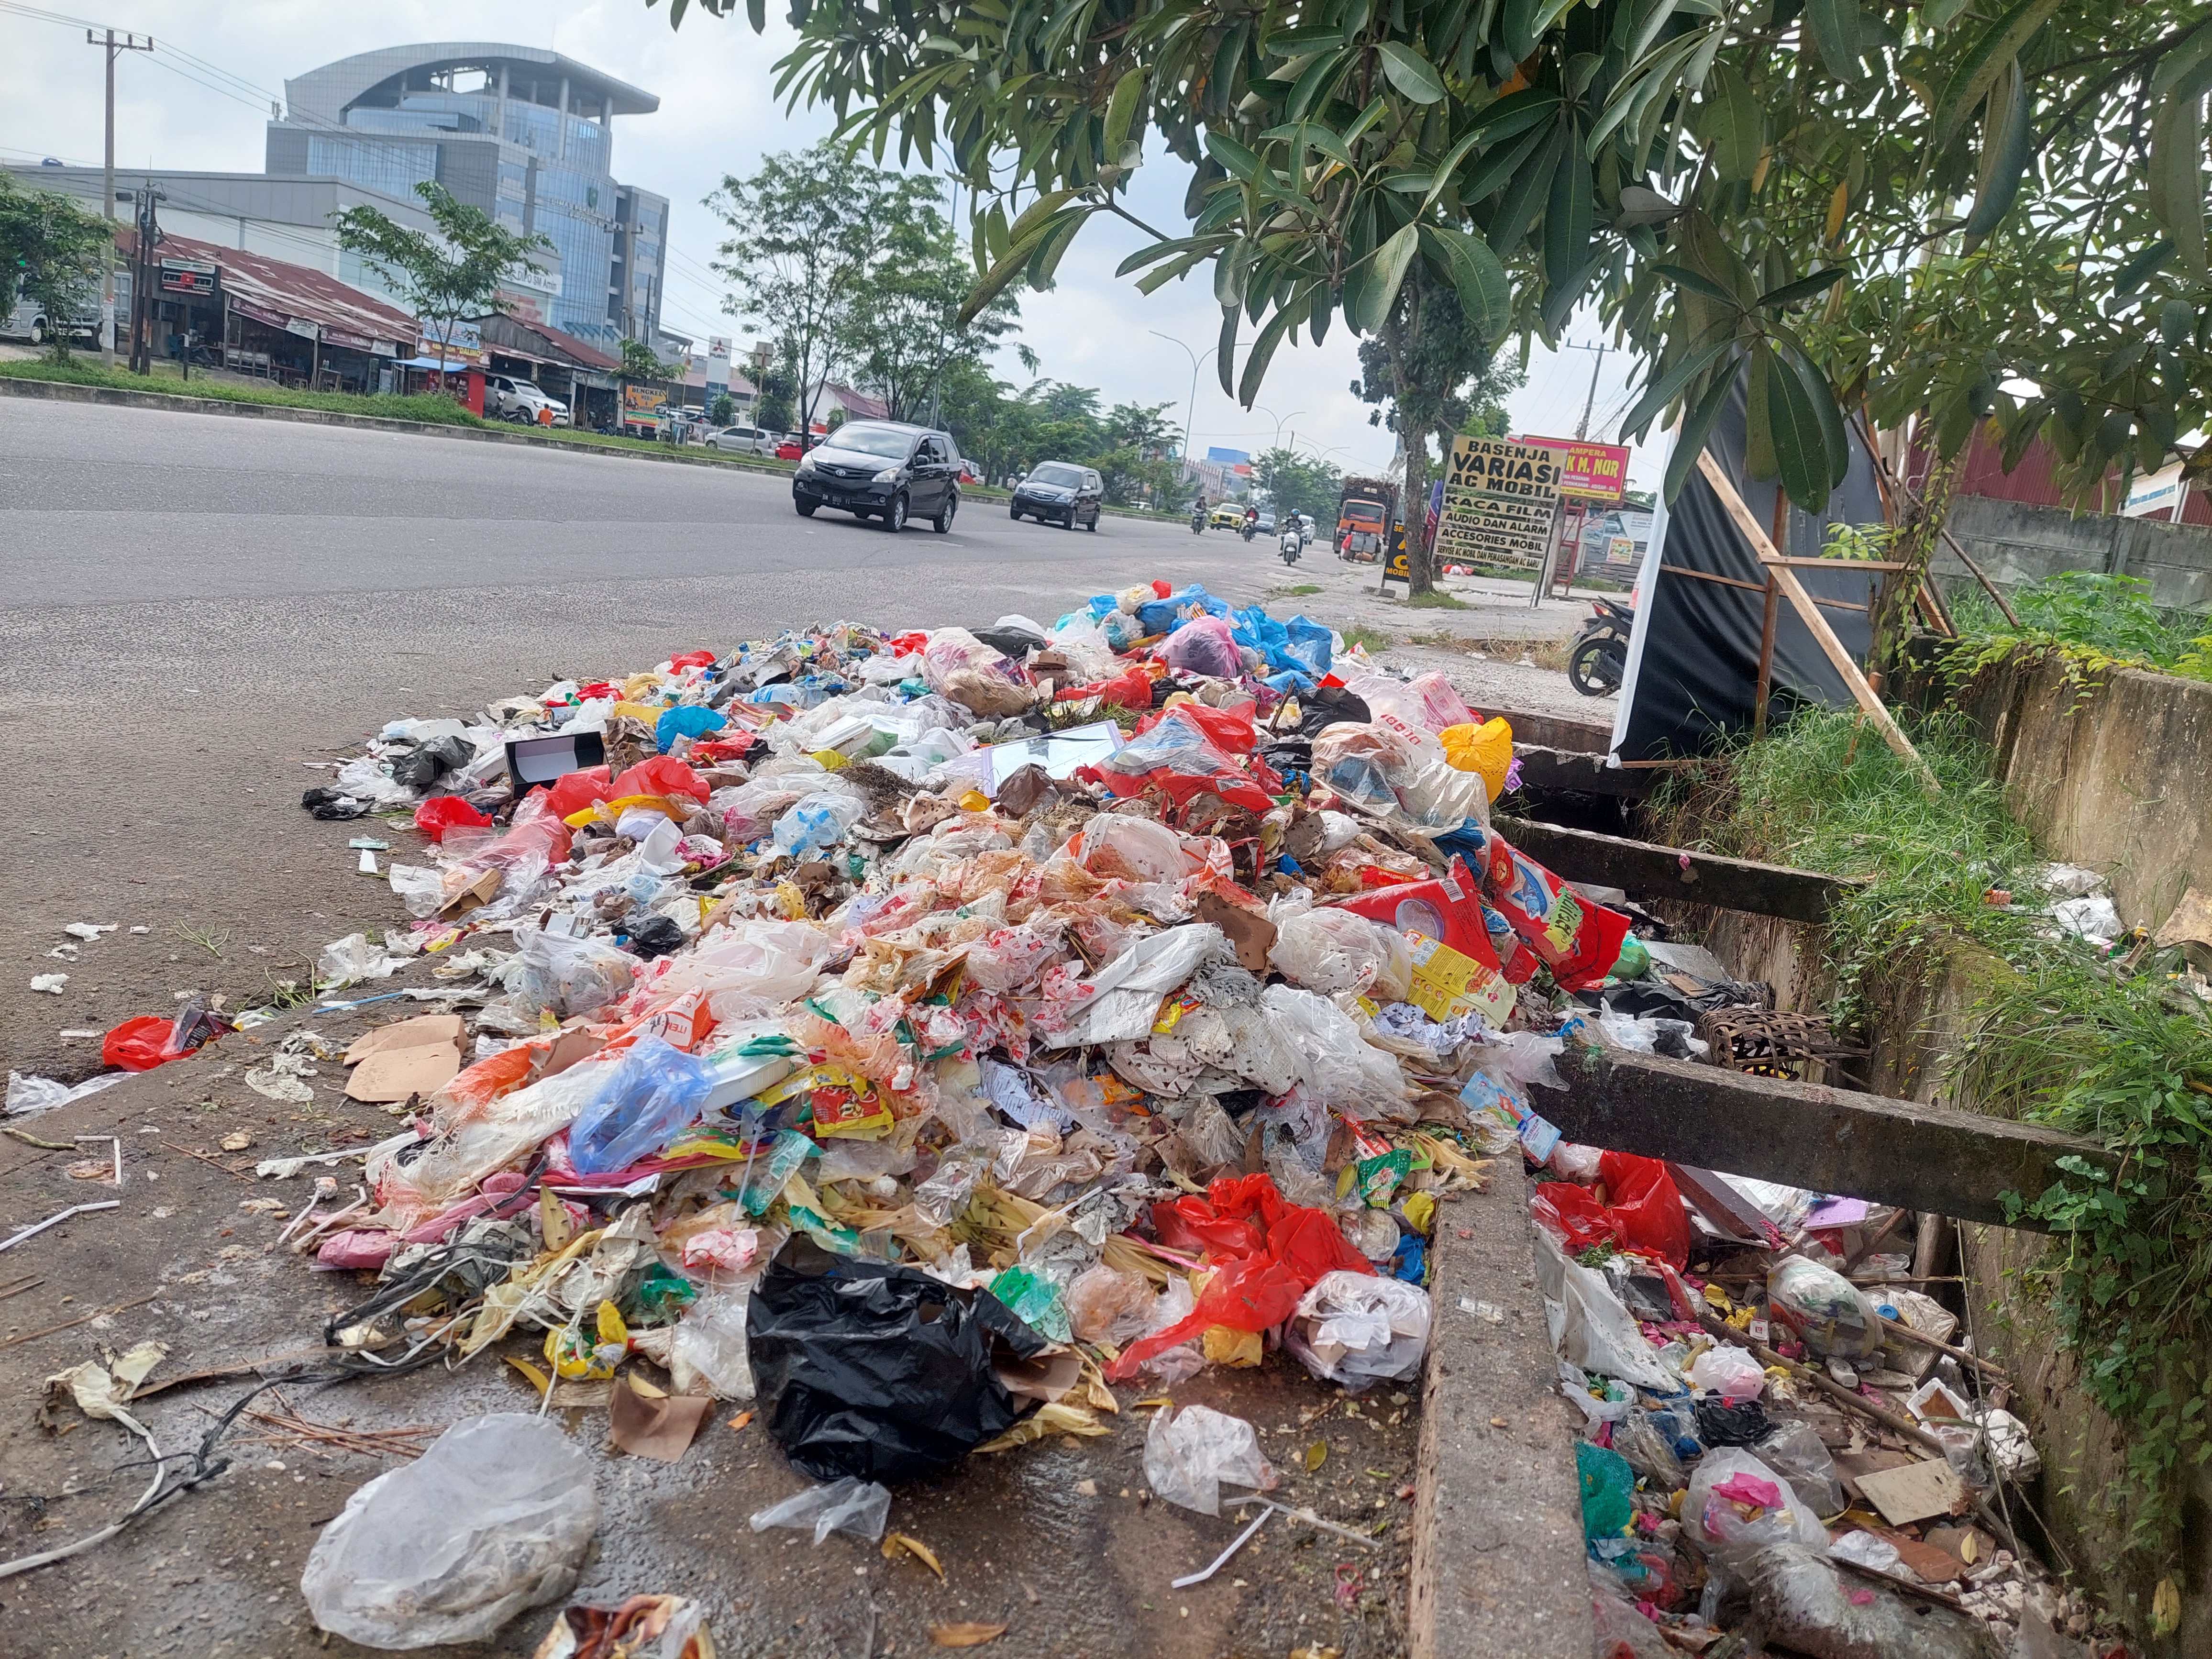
(965, 670)
(1344, 1072)
(1728, 1372)
(494, 1518)
(1106, 1305)
(1737, 1505)
(472, 1141)
(1117, 844)
(566, 976)
(1591, 1328)
(1796, 1453)
(1356, 1328)
(778, 961)
(1805, 1605)
(815, 823)
(419, 888)
(1335, 953)
(1191, 1454)
(1649, 1450)
(708, 1351)
(1830, 1314)
(858, 1507)
(651, 1092)
(1427, 703)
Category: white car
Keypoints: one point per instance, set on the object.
(745, 441)
(520, 401)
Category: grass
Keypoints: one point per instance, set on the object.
(1300, 591)
(1373, 639)
(1538, 654)
(207, 940)
(1435, 599)
(421, 407)
(2102, 620)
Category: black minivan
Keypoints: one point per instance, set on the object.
(1060, 490)
(883, 470)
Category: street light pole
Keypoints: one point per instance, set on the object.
(1196, 358)
(128, 43)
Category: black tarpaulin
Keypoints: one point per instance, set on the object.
(1693, 659)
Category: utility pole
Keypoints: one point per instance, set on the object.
(128, 43)
(143, 268)
(1582, 427)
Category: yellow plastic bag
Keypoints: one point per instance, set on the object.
(1486, 750)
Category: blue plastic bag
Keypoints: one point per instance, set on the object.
(685, 720)
(652, 1093)
(1161, 616)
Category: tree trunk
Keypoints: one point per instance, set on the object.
(1913, 546)
(1413, 508)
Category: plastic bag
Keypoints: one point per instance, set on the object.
(1204, 646)
(687, 720)
(1106, 1305)
(1590, 1327)
(1357, 1328)
(1622, 1631)
(980, 679)
(1182, 759)
(1335, 951)
(1728, 1372)
(1829, 1314)
(1646, 1213)
(816, 823)
(858, 1507)
(708, 1351)
(1427, 704)
(495, 1517)
(566, 976)
(878, 1372)
(1191, 1454)
(1796, 1453)
(1736, 1506)
(352, 959)
(140, 1043)
(1344, 1072)
(1579, 941)
(1608, 1489)
(778, 961)
(659, 774)
(1486, 750)
(1650, 1451)
(654, 1090)
(1803, 1604)
(439, 814)
(1115, 844)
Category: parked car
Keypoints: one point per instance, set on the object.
(1063, 491)
(789, 448)
(1228, 515)
(506, 398)
(883, 470)
(745, 441)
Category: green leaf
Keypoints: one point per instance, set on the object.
(1977, 69)
(2141, 268)
(1517, 30)
(1500, 165)
(1411, 73)
(1737, 128)
(1801, 440)
(1569, 214)
(2008, 141)
(1525, 193)
(1682, 276)
(2192, 61)
(1038, 211)
(1121, 108)
(1485, 291)
(1224, 350)
(1757, 429)
(1181, 265)
(1386, 271)
(1314, 83)
(1805, 288)
(1289, 43)
(1263, 348)
(1241, 162)
(1690, 440)
(1670, 386)
(1017, 258)
(2176, 182)
(1834, 27)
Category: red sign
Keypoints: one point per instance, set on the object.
(1594, 471)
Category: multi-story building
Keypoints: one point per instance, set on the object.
(526, 135)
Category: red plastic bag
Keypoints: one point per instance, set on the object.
(1230, 728)
(1131, 691)
(140, 1045)
(597, 691)
(572, 792)
(435, 816)
(1162, 590)
(659, 774)
(691, 659)
(1646, 1214)
(1269, 1253)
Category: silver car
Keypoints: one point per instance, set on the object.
(745, 441)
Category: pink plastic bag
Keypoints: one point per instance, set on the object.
(1204, 645)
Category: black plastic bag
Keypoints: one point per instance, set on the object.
(1723, 1424)
(877, 1372)
(421, 768)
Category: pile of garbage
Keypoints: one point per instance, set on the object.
(1050, 1008)
(1785, 1441)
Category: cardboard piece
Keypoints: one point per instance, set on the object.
(2190, 926)
(418, 1032)
(1250, 932)
(398, 1074)
(1929, 1562)
(1043, 1379)
(1918, 1492)
(660, 1428)
(480, 891)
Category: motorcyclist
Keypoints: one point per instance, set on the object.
(1251, 521)
(1197, 511)
(1293, 539)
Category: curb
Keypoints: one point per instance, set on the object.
(69, 392)
(1498, 1554)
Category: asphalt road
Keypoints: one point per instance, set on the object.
(196, 607)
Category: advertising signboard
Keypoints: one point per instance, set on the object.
(1501, 497)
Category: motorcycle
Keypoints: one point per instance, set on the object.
(1597, 661)
(1293, 544)
(1250, 525)
(1197, 521)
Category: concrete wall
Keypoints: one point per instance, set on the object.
(2015, 542)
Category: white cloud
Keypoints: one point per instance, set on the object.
(717, 115)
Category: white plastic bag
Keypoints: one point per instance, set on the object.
(1191, 1454)
(1728, 1372)
(1335, 951)
(778, 961)
(1737, 1505)
(1357, 1328)
(708, 1354)
(494, 1518)
(858, 1507)
(1590, 1327)
(566, 976)
(1828, 1313)
(352, 959)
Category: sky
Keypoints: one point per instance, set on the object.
(718, 115)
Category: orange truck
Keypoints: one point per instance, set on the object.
(1364, 516)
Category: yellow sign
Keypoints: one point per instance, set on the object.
(1501, 498)
(1399, 568)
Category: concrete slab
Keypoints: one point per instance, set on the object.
(1498, 1520)
(1646, 871)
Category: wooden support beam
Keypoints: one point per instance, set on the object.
(1785, 580)
(1581, 773)
(1935, 1158)
(1644, 870)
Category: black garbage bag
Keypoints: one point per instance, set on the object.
(422, 766)
(334, 804)
(655, 936)
(877, 1372)
(1723, 1424)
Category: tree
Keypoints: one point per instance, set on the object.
(775, 397)
(51, 251)
(1299, 483)
(1701, 173)
(808, 233)
(639, 362)
(722, 411)
(446, 275)
(906, 325)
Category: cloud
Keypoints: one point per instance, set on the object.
(717, 115)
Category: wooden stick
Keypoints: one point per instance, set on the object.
(32, 1336)
(1898, 1328)
(1786, 579)
(1988, 586)
(240, 1175)
(1869, 1248)
(1764, 688)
